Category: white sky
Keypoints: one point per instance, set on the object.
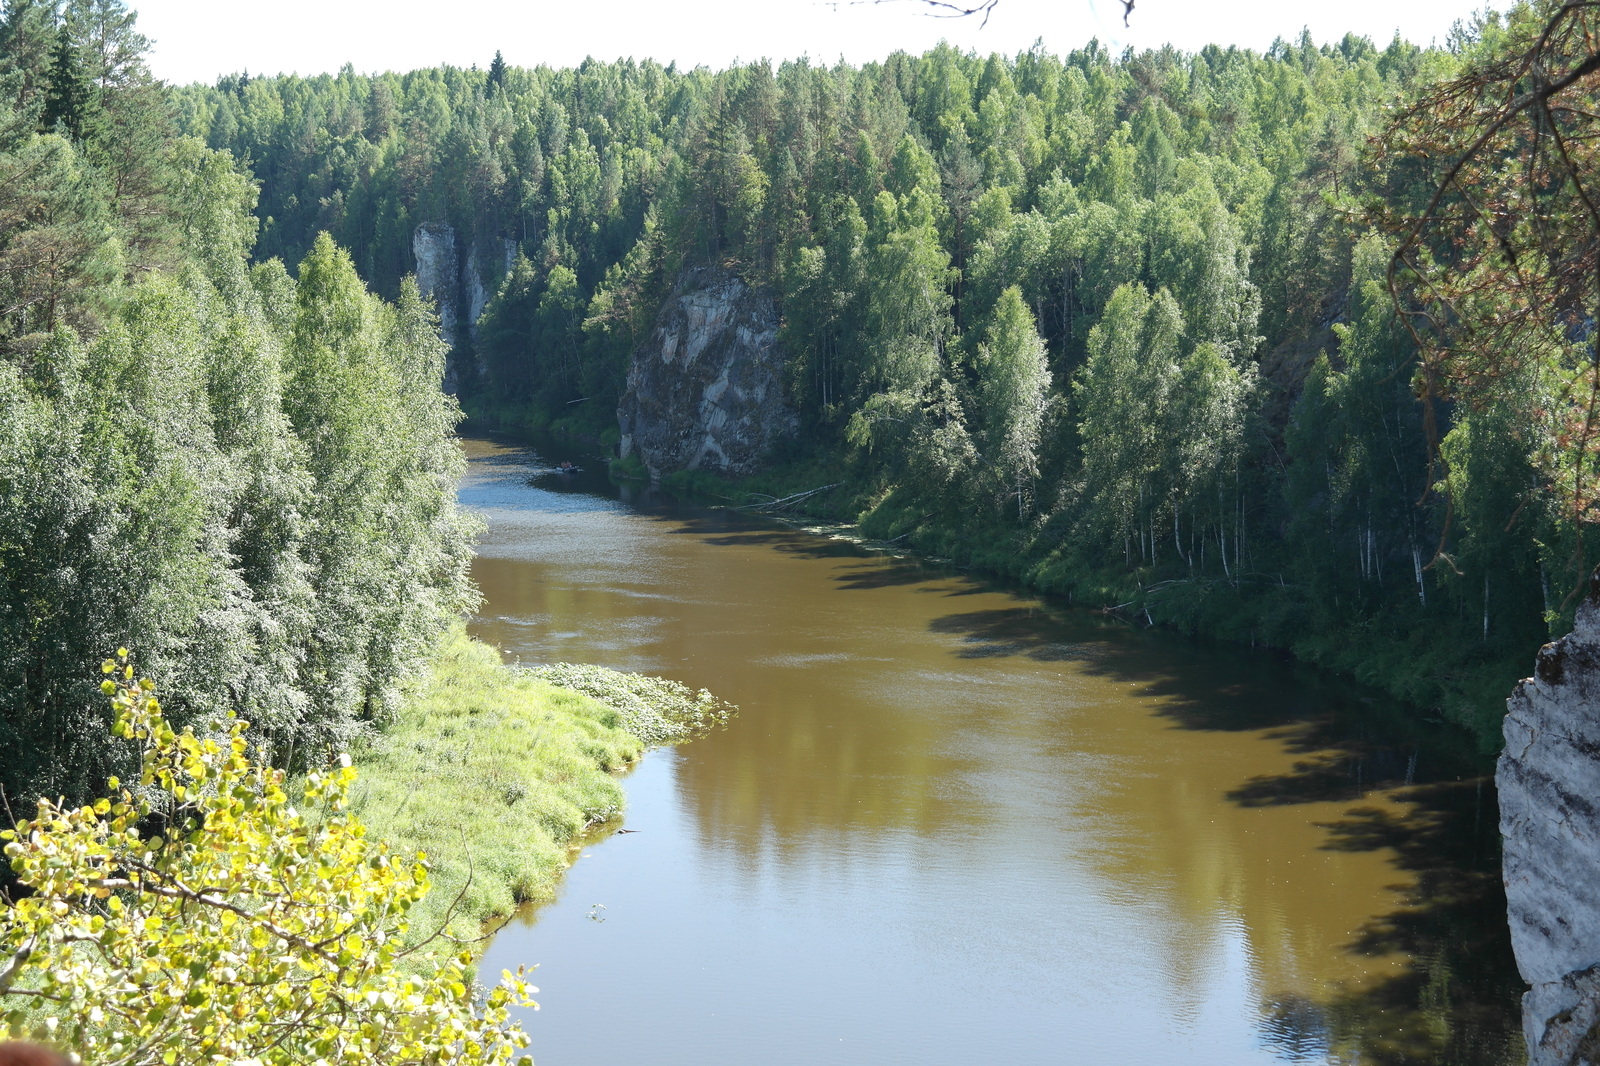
(197, 40)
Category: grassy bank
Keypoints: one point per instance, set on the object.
(494, 774)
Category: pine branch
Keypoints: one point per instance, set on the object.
(941, 9)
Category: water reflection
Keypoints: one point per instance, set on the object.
(959, 824)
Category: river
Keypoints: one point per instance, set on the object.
(955, 823)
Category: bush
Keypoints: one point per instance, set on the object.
(655, 710)
(201, 916)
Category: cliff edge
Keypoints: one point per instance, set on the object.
(1549, 782)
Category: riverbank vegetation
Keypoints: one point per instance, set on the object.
(201, 914)
(467, 804)
(654, 709)
(495, 775)
(1115, 325)
(497, 771)
(245, 474)
(248, 476)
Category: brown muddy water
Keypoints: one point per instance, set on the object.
(957, 824)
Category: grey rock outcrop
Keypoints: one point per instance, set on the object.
(706, 392)
(477, 291)
(438, 271)
(456, 284)
(1549, 782)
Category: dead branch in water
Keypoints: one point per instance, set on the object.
(788, 501)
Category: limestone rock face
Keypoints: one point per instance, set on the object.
(438, 269)
(458, 289)
(706, 392)
(1549, 782)
(474, 289)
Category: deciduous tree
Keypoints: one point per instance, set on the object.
(203, 913)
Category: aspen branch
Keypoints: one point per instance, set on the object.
(19, 958)
(180, 892)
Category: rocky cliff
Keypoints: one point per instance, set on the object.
(477, 290)
(1549, 781)
(455, 283)
(707, 392)
(438, 269)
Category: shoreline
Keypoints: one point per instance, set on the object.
(498, 778)
(1431, 682)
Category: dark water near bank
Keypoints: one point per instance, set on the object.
(955, 824)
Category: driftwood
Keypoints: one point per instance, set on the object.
(773, 503)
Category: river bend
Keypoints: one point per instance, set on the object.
(956, 824)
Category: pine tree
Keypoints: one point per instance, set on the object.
(497, 75)
(71, 100)
(27, 43)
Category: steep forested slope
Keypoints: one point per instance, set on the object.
(245, 477)
(1108, 323)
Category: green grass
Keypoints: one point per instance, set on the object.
(487, 770)
(630, 467)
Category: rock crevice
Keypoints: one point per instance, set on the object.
(456, 284)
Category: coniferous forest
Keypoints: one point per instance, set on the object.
(1115, 325)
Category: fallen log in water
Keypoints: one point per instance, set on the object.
(775, 504)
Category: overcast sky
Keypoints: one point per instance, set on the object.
(197, 40)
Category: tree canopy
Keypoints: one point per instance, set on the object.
(966, 250)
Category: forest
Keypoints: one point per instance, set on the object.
(244, 474)
(1274, 348)
(1116, 326)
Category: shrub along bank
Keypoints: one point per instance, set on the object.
(116, 950)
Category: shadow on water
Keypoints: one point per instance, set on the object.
(1456, 1001)
(1414, 793)
(730, 529)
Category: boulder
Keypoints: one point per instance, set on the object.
(707, 391)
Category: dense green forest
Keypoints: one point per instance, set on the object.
(1124, 327)
(1113, 324)
(245, 476)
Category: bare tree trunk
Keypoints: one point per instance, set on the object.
(1485, 605)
